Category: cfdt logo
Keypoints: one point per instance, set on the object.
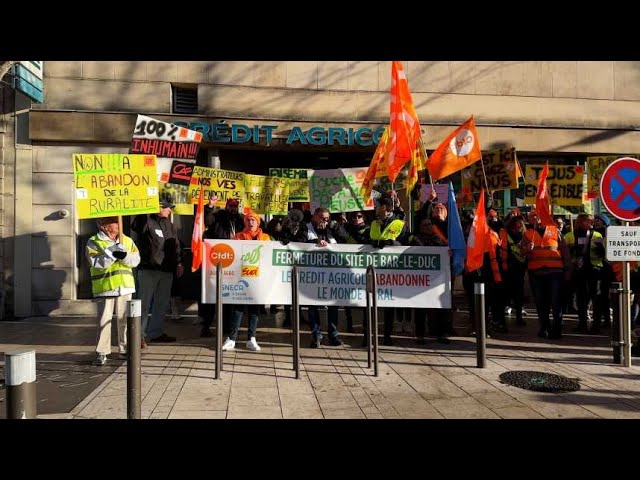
(251, 261)
(462, 143)
(221, 253)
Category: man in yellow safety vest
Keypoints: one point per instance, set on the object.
(112, 257)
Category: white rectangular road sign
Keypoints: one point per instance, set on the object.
(623, 244)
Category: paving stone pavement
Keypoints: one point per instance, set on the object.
(433, 381)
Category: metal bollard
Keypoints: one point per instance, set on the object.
(295, 314)
(218, 320)
(372, 318)
(368, 330)
(20, 382)
(134, 360)
(616, 326)
(481, 329)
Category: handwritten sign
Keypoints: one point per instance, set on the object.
(298, 182)
(595, 168)
(115, 184)
(165, 140)
(499, 167)
(225, 184)
(266, 194)
(177, 195)
(565, 184)
(338, 190)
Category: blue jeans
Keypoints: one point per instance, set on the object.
(236, 319)
(332, 322)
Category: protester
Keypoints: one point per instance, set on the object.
(112, 256)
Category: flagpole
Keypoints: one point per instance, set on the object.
(484, 174)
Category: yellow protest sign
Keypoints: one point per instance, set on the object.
(115, 184)
(178, 195)
(595, 168)
(298, 182)
(225, 184)
(565, 184)
(266, 194)
(500, 168)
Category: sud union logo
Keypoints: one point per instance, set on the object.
(251, 260)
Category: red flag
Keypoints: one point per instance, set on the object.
(198, 231)
(478, 241)
(459, 150)
(405, 126)
(542, 198)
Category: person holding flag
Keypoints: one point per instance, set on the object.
(482, 265)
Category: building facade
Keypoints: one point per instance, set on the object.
(257, 115)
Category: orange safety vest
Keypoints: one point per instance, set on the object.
(494, 245)
(617, 269)
(545, 251)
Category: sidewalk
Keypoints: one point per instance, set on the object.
(431, 381)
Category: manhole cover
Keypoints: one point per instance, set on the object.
(540, 381)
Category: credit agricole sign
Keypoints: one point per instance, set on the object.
(220, 132)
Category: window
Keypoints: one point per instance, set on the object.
(184, 99)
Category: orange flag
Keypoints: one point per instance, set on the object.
(379, 157)
(478, 241)
(418, 162)
(405, 126)
(542, 198)
(198, 231)
(459, 150)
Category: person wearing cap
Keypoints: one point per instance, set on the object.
(112, 257)
(160, 259)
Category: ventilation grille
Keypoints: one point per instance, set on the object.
(185, 100)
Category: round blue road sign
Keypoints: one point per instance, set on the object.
(620, 189)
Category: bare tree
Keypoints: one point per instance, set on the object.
(5, 66)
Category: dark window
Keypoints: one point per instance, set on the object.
(184, 99)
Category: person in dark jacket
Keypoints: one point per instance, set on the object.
(357, 234)
(322, 231)
(160, 258)
(219, 224)
(293, 230)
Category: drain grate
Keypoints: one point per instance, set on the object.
(540, 381)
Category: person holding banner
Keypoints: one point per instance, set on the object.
(387, 229)
(161, 257)
(220, 224)
(251, 231)
(437, 317)
(112, 256)
(320, 231)
(293, 230)
(357, 233)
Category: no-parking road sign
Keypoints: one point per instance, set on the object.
(620, 189)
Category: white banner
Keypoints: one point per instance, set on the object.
(255, 272)
(168, 142)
